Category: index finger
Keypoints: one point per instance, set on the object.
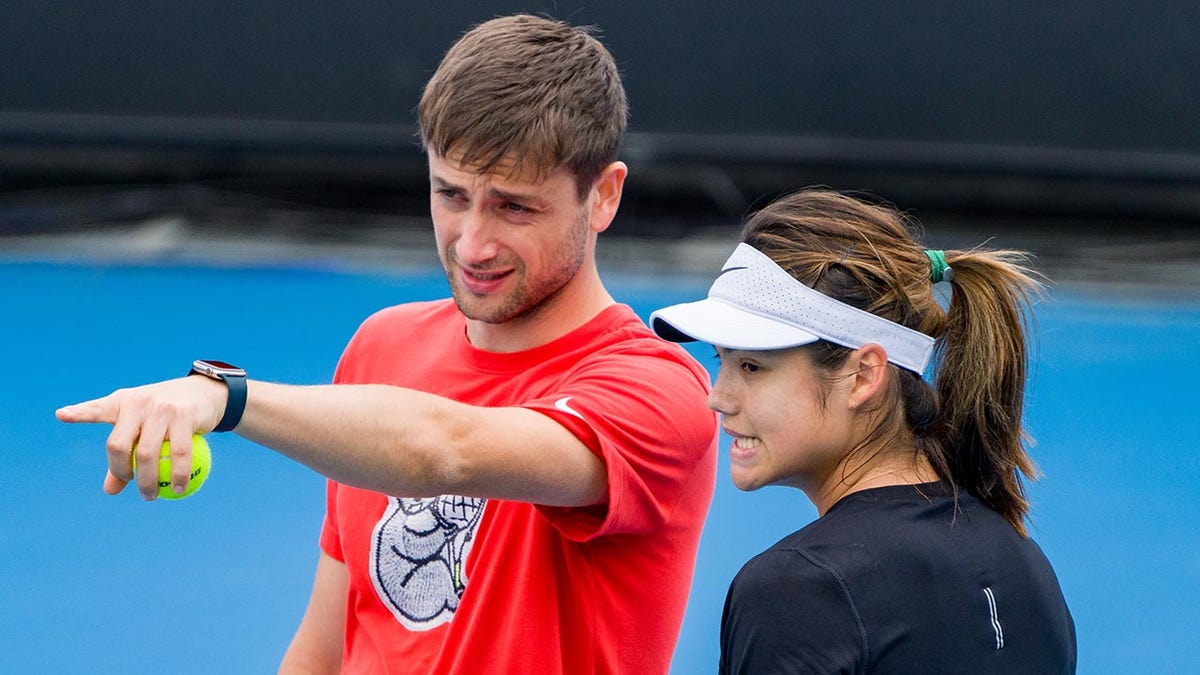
(96, 410)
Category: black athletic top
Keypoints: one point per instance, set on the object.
(896, 580)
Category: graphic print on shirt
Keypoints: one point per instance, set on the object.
(418, 552)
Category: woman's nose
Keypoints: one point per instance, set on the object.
(719, 398)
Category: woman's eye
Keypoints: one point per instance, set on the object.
(749, 367)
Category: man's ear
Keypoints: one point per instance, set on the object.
(870, 373)
(607, 193)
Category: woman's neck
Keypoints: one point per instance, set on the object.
(881, 469)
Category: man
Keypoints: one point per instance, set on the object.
(518, 477)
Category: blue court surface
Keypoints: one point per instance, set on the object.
(218, 582)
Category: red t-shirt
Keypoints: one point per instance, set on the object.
(466, 585)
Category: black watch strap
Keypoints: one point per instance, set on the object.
(235, 405)
(235, 380)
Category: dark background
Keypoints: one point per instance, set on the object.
(1084, 112)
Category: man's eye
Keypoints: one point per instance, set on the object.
(514, 207)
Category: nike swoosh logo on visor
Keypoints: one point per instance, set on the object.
(730, 269)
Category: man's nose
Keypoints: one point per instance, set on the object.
(476, 242)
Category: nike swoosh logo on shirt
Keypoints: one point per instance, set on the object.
(563, 405)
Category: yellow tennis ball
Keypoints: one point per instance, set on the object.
(201, 467)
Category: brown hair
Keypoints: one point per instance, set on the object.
(969, 423)
(532, 91)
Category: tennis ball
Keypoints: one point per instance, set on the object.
(201, 467)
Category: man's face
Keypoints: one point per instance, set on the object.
(508, 245)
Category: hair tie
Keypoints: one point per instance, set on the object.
(939, 269)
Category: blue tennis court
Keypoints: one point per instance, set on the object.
(217, 583)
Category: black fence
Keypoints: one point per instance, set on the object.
(1067, 109)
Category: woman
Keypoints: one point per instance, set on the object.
(825, 319)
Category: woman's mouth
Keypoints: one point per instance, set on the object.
(744, 446)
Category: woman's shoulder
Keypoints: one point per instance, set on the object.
(880, 528)
(788, 607)
(781, 581)
(813, 556)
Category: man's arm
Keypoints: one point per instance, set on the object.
(317, 645)
(392, 440)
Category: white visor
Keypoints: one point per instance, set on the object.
(755, 305)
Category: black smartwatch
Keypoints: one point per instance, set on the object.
(235, 379)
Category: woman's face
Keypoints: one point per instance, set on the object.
(788, 427)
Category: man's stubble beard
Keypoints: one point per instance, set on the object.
(524, 302)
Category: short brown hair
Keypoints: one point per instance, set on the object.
(528, 90)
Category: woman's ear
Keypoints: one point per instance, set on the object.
(870, 372)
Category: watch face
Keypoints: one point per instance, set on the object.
(216, 368)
